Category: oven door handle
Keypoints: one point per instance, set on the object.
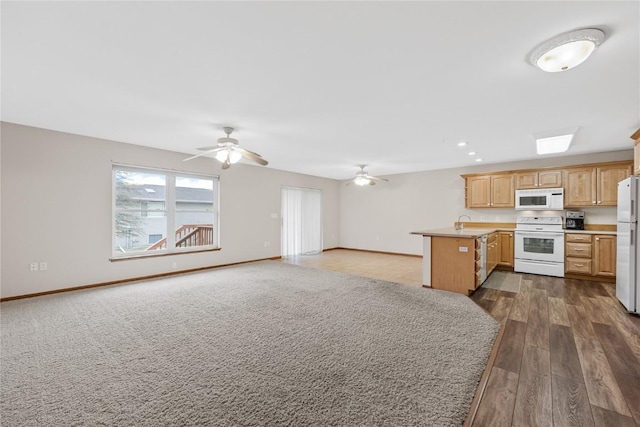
(538, 234)
(531, 261)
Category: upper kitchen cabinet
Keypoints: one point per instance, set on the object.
(594, 186)
(490, 191)
(636, 152)
(538, 179)
(580, 187)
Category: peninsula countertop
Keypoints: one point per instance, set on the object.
(465, 233)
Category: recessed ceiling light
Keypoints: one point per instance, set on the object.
(472, 153)
(478, 160)
(565, 51)
(461, 144)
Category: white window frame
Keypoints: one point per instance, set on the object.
(170, 209)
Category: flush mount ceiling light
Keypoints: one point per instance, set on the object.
(565, 51)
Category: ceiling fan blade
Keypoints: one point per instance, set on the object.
(213, 150)
(252, 156)
(375, 178)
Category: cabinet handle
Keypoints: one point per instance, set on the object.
(579, 265)
(579, 238)
(599, 201)
(597, 238)
(593, 202)
(579, 250)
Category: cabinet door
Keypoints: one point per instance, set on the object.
(550, 179)
(605, 255)
(502, 192)
(580, 187)
(492, 256)
(608, 178)
(478, 192)
(526, 180)
(505, 248)
(636, 154)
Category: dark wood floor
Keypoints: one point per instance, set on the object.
(569, 356)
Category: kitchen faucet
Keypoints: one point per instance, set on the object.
(459, 224)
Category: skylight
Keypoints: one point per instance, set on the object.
(554, 144)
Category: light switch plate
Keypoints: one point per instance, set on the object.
(463, 249)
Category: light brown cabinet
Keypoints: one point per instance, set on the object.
(454, 264)
(492, 252)
(604, 247)
(636, 152)
(505, 249)
(580, 187)
(539, 179)
(490, 191)
(590, 255)
(594, 186)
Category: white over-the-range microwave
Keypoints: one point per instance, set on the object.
(540, 199)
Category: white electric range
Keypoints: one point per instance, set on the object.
(539, 245)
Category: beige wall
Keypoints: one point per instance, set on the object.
(56, 207)
(381, 217)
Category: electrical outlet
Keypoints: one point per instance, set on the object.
(174, 265)
(33, 266)
(481, 218)
(267, 244)
(43, 266)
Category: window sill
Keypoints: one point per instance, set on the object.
(139, 256)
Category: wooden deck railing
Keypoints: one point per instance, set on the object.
(188, 235)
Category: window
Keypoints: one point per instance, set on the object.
(154, 238)
(151, 203)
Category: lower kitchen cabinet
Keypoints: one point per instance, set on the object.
(505, 249)
(604, 255)
(454, 264)
(592, 256)
(492, 252)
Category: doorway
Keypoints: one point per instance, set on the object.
(301, 221)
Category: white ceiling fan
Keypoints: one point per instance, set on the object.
(363, 178)
(228, 152)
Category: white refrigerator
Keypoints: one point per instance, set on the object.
(628, 252)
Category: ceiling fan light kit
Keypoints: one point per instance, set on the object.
(228, 155)
(567, 50)
(363, 178)
(228, 152)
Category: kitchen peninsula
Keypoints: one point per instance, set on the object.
(458, 260)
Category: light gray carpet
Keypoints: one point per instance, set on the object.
(503, 281)
(262, 344)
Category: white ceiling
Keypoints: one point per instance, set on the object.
(319, 87)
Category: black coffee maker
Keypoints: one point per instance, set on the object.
(574, 220)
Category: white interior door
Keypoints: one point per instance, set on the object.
(301, 221)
